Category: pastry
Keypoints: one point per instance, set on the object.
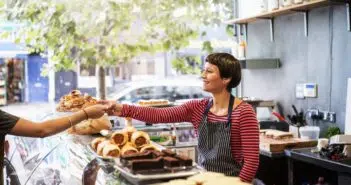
(184, 160)
(147, 164)
(147, 147)
(101, 146)
(171, 162)
(75, 101)
(119, 138)
(91, 126)
(140, 138)
(129, 127)
(96, 142)
(128, 149)
(168, 152)
(111, 150)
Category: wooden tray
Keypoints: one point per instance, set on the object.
(275, 146)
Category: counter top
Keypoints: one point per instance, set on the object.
(305, 155)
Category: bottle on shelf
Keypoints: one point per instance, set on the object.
(241, 50)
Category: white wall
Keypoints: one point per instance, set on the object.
(348, 109)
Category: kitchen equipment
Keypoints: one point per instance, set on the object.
(340, 139)
(309, 132)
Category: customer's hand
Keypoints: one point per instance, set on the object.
(114, 108)
(96, 111)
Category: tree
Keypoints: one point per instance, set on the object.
(107, 32)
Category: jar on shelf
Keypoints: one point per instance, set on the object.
(263, 6)
(273, 5)
(287, 2)
(241, 50)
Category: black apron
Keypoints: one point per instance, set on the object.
(214, 144)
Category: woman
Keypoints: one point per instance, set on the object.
(10, 124)
(227, 128)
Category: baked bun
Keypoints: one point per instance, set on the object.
(148, 147)
(101, 146)
(111, 150)
(129, 127)
(119, 138)
(94, 144)
(91, 126)
(128, 148)
(140, 138)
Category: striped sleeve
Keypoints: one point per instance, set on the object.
(181, 113)
(249, 142)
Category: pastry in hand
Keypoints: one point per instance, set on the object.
(111, 150)
(96, 142)
(148, 147)
(119, 138)
(140, 138)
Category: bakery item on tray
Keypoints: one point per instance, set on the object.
(101, 146)
(75, 101)
(111, 150)
(147, 147)
(129, 127)
(276, 134)
(119, 138)
(140, 138)
(91, 126)
(94, 144)
(128, 149)
(147, 164)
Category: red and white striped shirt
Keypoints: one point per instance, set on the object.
(244, 128)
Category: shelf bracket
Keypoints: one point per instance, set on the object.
(271, 26)
(348, 15)
(305, 19)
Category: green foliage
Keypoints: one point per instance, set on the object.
(107, 32)
(332, 131)
(187, 64)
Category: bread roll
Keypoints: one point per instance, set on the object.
(119, 138)
(129, 148)
(101, 146)
(91, 126)
(129, 128)
(140, 138)
(148, 147)
(111, 150)
(96, 142)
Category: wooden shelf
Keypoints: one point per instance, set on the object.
(286, 10)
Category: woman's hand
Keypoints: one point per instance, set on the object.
(114, 108)
(96, 111)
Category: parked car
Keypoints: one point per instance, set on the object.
(171, 89)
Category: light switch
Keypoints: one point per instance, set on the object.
(310, 90)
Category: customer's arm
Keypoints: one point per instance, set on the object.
(28, 128)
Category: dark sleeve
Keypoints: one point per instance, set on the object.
(7, 122)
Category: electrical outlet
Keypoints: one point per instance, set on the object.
(332, 117)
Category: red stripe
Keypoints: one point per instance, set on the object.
(244, 128)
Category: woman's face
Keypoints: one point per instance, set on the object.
(212, 81)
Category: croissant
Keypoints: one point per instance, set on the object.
(119, 138)
(96, 142)
(111, 150)
(140, 138)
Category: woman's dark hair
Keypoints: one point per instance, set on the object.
(229, 67)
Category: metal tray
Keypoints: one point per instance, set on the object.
(167, 173)
(170, 173)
